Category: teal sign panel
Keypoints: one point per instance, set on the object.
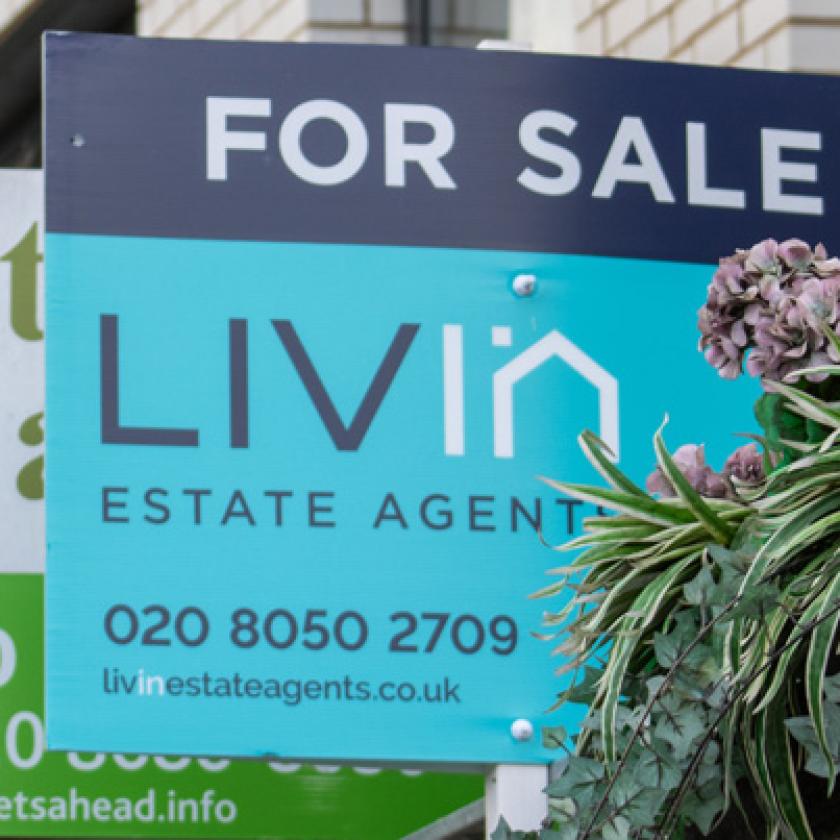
(296, 409)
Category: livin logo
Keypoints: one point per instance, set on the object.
(349, 437)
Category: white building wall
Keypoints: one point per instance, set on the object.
(770, 34)
(545, 25)
(773, 34)
(461, 23)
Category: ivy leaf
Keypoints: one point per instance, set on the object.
(641, 809)
(628, 718)
(670, 703)
(832, 688)
(681, 732)
(667, 649)
(729, 561)
(634, 801)
(656, 770)
(626, 787)
(584, 690)
(802, 730)
(618, 828)
(701, 591)
(592, 723)
(554, 737)
(578, 780)
(502, 831)
(564, 808)
(759, 600)
(703, 806)
(563, 832)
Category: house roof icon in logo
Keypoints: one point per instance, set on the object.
(553, 345)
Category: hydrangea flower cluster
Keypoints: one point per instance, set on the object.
(770, 304)
(744, 466)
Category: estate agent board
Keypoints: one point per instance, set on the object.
(318, 317)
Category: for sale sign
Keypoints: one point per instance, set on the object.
(318, 316)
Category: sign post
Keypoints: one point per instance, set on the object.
(516, 793)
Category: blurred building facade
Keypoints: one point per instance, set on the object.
(791, 35)
(798, 35)
(455, 23)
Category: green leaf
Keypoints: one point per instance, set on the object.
(554, 737)
(755, 753)
(502, 831)
(779, 424)
(682, 730)
(646, 606)
(832, 336)
(831, 686)
(831, 370)
(642, 507)
(815, 432)
(810, 407)
(704, 805)
(564, 808)
(618, 828)
(658, 771)
(781, 672)
(727, 559)
(700, 592)
(728, 734)
(819, 651)
(667, 649)
(578, 780)
(784, 542)
(597, 452)
(802, 730)
(782, 774)
(564, 832)
(583, 691)
(720, 531)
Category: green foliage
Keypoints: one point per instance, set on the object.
(503, 832)
(716, 622)
(779, 426)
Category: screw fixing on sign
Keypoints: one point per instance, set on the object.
(524, 285)
(522, 730)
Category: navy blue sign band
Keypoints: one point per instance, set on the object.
(375, 145)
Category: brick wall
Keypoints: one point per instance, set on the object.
(770, 34)
(461, 23)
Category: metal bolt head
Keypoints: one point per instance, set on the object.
(522, 730)
(524, 285)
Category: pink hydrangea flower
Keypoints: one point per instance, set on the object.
(766, 308)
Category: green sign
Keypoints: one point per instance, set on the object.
(95, 795)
